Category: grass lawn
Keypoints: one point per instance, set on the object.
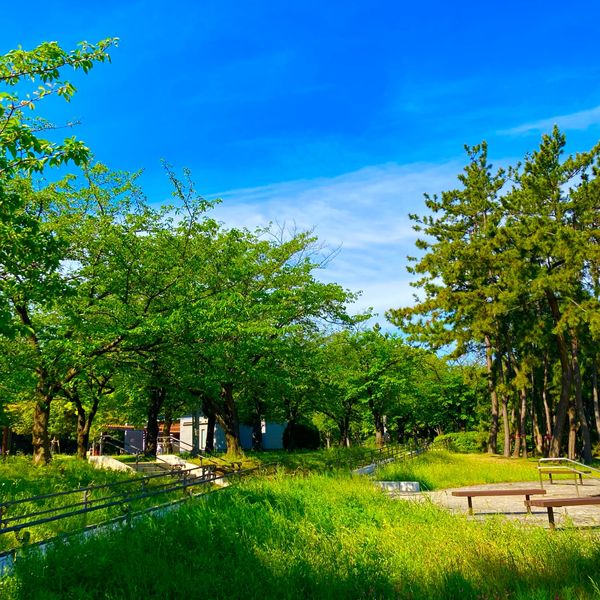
(321, 536)
(439, 469)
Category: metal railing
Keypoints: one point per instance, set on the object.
(169, 443)
(106, 439)
(127, 497)
(86, 500)
(376, 456)
(567, 466)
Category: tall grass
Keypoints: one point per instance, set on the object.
(19, 479)
(298, 460)
(315, 537)
(439, 469)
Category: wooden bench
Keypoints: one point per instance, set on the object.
(552, 503)
(527, 492)
(556, 470)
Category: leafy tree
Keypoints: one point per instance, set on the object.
(261, 290)
(21, 147)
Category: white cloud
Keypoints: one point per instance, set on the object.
(574, 121)
(365, 213)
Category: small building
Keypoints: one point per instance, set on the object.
(272, 435)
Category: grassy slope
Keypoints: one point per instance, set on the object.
(315, 537)
(19, 478)
(440, 469)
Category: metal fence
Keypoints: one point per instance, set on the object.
(126, 499)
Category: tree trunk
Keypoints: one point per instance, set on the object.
(535, 422)
(565, 380)
(211, 422)
(39, 434)
(583, 422)
(491, 385)
(5, 440)
(505, 426)
(523, 423)
(537, 435)
(573, 427)
(547, 409)
(228, 420)
(209, 411)
(379, 429)
(84, 421)
(344, 427)
(166, 431)
(257, 434)
(83, 435)
(157, 398)
(596, 397)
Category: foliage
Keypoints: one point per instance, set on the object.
(21, 149)
(463, 441)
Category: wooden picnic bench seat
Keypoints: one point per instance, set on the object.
(527, 492)
(551, 503)
(557, 470)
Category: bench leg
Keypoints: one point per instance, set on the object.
(527, 504)
(551, 517)
(469, 500)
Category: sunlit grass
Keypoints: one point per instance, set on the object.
(439, 469)
(20, 479)
(298, 460)
(315, 537)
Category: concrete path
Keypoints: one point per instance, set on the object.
(513, 506)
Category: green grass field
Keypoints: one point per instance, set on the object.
(439, 469)
(325, 535)
(314, 537)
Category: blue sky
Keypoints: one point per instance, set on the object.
(337, 115)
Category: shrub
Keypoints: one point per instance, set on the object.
(301, 436)
(463, 441)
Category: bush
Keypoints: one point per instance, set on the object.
(463, 441)
(301, 436)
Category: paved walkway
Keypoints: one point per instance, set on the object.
(513, 506)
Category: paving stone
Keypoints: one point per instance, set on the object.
(513, 507)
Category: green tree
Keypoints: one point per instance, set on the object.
(21, 147)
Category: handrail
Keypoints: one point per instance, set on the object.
(583, 466)
(107, 438)
(188, 479)
(184, 484)
(377, 456)
(177, 442)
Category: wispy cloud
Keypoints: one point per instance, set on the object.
(575, 121)
(365, 213)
